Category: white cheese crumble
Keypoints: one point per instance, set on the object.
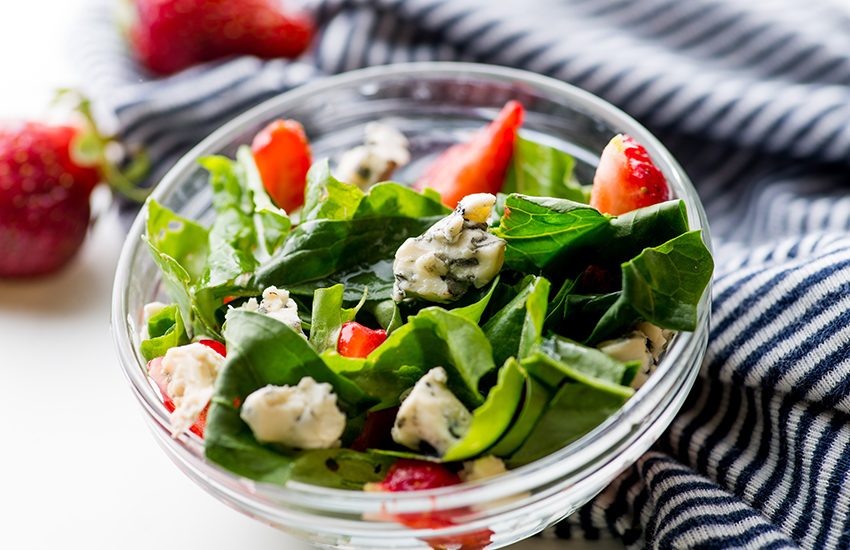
(645, 344)
(190, 372)
(455, 253)
(384, 150)
(431, 414)
(277, 304)
(305, 416)
(482, 468)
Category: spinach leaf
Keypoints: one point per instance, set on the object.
(179, 248)
(575, 410)
(165, 330)
(271, 223)
(542, 231)
(642, 228)
(261, 351)
(376, 279)
(329, 250)
(327, 198)
(662, 285)
(387, 313)
(384, 382)
(515, 328)
(327, 319)
(572, 360)
(391, 199)
(535, 400)
(491, 420)
(474, 303)
(543, 171)
(436, 337)
(340, 468)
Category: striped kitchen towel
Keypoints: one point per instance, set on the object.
(753, 98)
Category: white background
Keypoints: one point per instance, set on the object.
(78, 467)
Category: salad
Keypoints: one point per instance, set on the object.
(337, 328)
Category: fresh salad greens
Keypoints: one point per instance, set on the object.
(519, 353)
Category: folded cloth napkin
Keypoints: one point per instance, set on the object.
(753, 98)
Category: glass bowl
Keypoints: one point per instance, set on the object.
(434, 105)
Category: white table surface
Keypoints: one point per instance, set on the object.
(80, 469)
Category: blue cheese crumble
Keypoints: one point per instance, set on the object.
(305, 416)
(455, 253)
(431, 416)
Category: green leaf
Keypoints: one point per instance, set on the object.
(391, 199)
(341, 468)
(491, 420)
(327, 198)
(537, 397)
(662, 285)
(515, 328)
(186, 242)
(568, 359)
(327, 318)
(543, 171)
(575, 410)
(543, 231)
(436, 337)
(166, 330)
(387, 313)
(271, 223)
(360, 251)
(385, 382)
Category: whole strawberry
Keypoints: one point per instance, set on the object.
(44, 198)
(171, 35)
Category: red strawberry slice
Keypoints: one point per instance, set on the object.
(171, 35)
(626, 179)
(478, 166)
(355, 340)
(282, 154)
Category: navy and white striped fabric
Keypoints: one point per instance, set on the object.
(753, 98)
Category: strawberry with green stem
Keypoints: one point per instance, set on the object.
(47, 173)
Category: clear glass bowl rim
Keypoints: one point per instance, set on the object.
(575, 461)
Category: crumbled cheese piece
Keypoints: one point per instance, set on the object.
(276, 304)
(644, 344)
(431, 414)
(305, 416)
(455, 253)
(148, 311)
(190, 372)
(481, 468)
(384, 150)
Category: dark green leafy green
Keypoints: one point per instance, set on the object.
(327, 198)
(543, 171)
(515, 328)
(536, 398)
(391, 199)
(575, 410)
(438, 338)
(662, 285)
(340, 468)
(385, 382)
(569, 359)
(327, 319)
(491, 420)
(271, 223)
(474, 303)
(356, 253)
(165, 331)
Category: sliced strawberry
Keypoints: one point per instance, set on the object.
(626, 179)
(478, 166)
(415, 475)
(355, 340)
(282, 154)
